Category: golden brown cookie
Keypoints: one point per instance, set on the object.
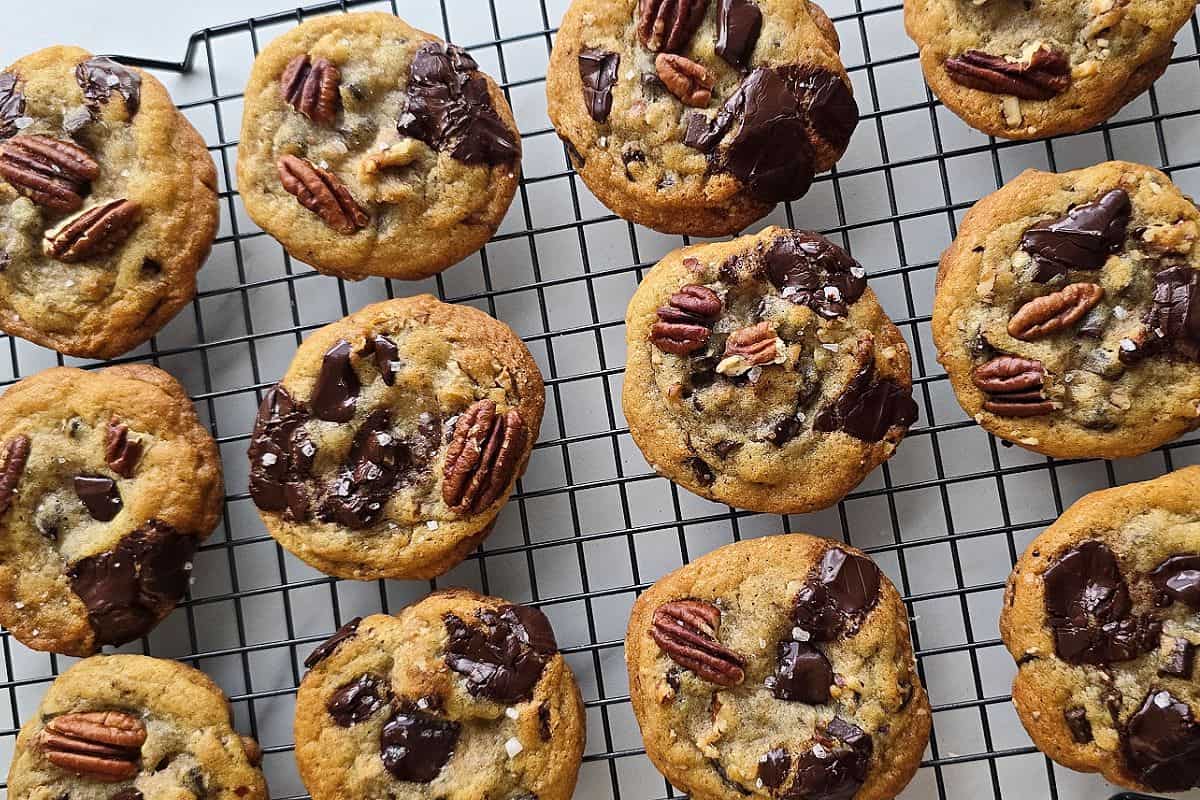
(130, 727)
(1101, 615)
(763, 373)
(108, 484)
(458, 697)
(394, 439)
(371, 148)
(1068, 311)
(108, 203)
(1024, 70)
(778, 667)
(698, 116)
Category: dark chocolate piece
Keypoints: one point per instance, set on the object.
(869, 407)
(415, 746)
(501, 657)
(325, 649)
(99, 496)
(1179, 658)
(1082, 240)
(739, 23)
(1162, 743)
(598, 70)
(1178, 578)
(100, 76)
(773, 768)
(281, 456)
(358, 700)
(810, 270)
(12, 104)
(335, 394)
(387, 357)
(1079, 725)
(832, 771)
(842, 589)
(802, 674)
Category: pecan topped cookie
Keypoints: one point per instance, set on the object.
(371, 148)
(129, 727)
(778, 667)
(459, 697)
(108, 203)
(108, 484)
(1068, 311)
(1101, 615)
(698, 116)
(1023, 70)
(763, 373)
(395, 437)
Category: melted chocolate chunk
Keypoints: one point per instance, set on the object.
(1179, 658)
(335, 394)
(359, 491)
(841, 591)
(773, 768)
(503, 657)
(802, 674)
(359, 699)
(598, 70)
(1178, 578)
(1078, 724)
(1083, 239)
(325, 649)
(1173, 319)
(450, 109)
(869, 408)
(128, 589)
(810, 270)
(415, 746)
(1162, 742)
(832, 771)
(128, 794)
(387, 357)
(544, 722)
(1088, 607)
(701, 470)
(281, 455)
(99, 496)
(12, 104)
(99, 77)
(739, 23)
(772, 121)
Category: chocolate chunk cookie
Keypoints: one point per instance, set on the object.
(134, 728)
(1101, 616)
(778, 667)
(698, 116)
(763, 373)
(108, 203)
(394, 439)
(108, 483)
(1023, 70)
(459, 697)
(1068, 312)
(371, 148)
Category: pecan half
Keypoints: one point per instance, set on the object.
(685, 79)
(684, 326)
(1046, 74)
(100, 745)
(12, 464)
(96, 231)
(668, 25)
(311, 87)
(50, 172)
(758, 344)
(322, 193)
(686, 630)
(1052, 313)
(482, 457)
(1014, 386)
(120, 452)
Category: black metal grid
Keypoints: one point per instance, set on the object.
(946, 518)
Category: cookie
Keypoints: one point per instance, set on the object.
(698, 116)
(762, 372)
(1101, 616)
(108, 204)
(108, 483)
(371, 148)
(1067, 312)
(459, 697)
(129, 727)
(778, 667)
(1024, 70)
(394, 439)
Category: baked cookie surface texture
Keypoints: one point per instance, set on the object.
(1068, 312)
(1024, 70)
(460, 697)
(778, 667)
(763, 373)
(108, 203)
(1101, 615)
(371, 148)
(108, 484)
(394, 438)
(130, 727)
(698, 116)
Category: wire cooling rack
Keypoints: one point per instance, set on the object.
(591, 525)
